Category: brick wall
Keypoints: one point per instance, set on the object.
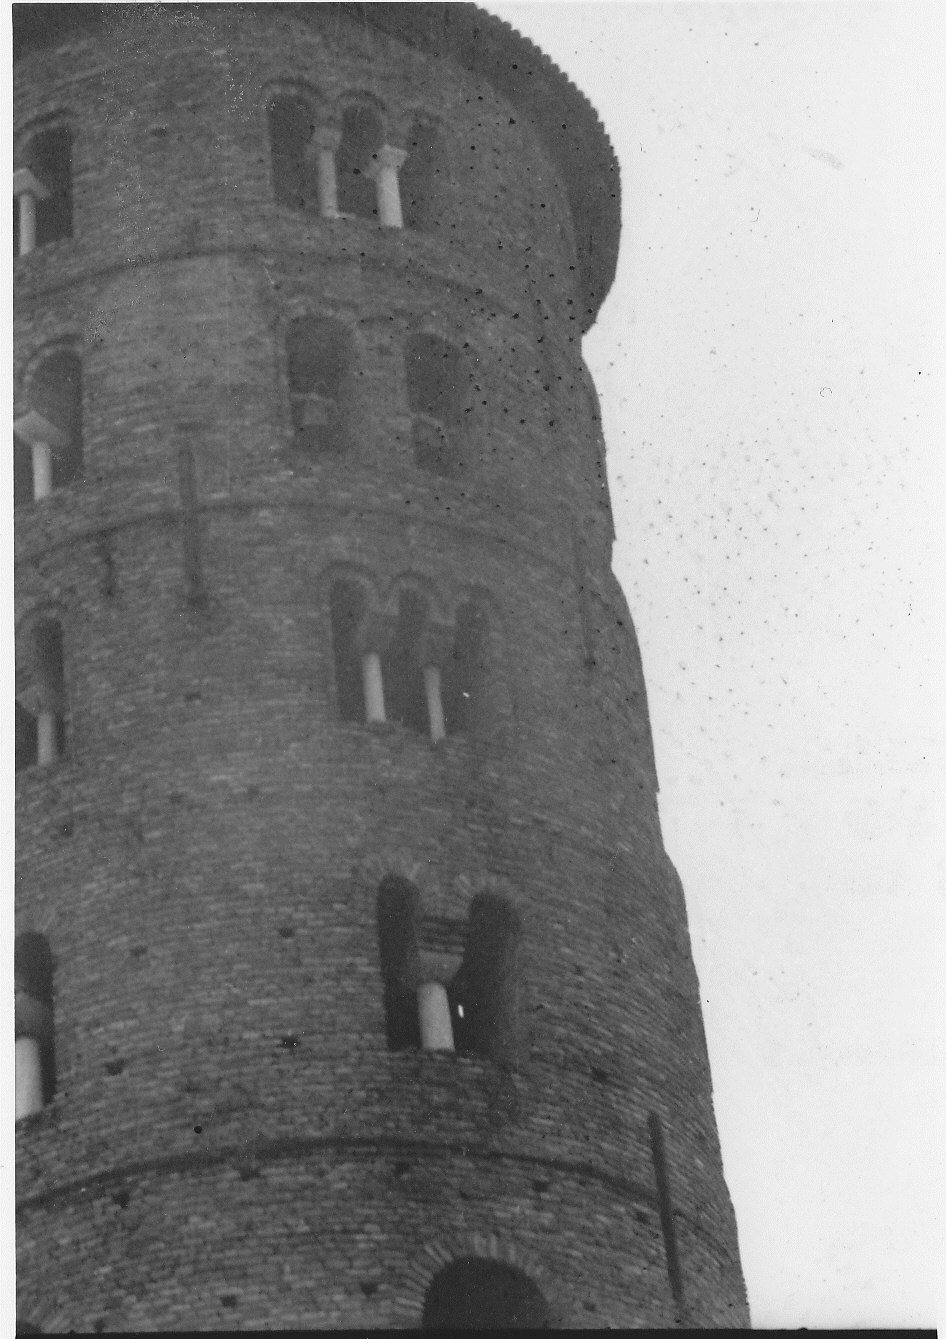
(231, 1144)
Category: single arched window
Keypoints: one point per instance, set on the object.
(35, 1057)
(464, 674)
(48, 438)
(475, 1294)
(291, 126)
(40, 719)
(437, 398)
(348, 604)
(421, 177)
(483, 994)
(362, 137)
(399, 913)
(320, 358)
(403, 675)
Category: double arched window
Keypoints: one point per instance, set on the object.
(472, 1009)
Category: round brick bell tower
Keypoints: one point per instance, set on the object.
(353, 982)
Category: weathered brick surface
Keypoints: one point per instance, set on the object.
(205, 860)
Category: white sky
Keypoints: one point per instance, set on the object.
(770, 363)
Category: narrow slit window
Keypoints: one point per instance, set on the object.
(347, 610)
(319, 357)
(404, 691)
(464, 673)
(35, 1052)
(362, 137)
(40, 719)
(399, 913)
(421, 178)
(50, 159)
(290, 130)
(484, 991)
(437, 400)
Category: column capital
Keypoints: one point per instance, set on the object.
(26, 182)
(325, 138)
(387, 159)
(36, 430)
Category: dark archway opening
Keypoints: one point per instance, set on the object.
(475, 1294)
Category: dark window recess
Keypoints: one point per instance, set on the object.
(405, 700)
(436, 396)
(464, 673)
(475, 1294)
(50, 158)
(319, 357)
(348, 610)
(33, 982)
(421, 178)
(483, 993)
(56, 393)
(27, 738)
(47, 693)
(290, 130)
(399, 915)
(361, 139)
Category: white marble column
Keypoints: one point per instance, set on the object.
(436, 1030)
(438, 727)
(29, 1077)
(27, 189)
(384, 169)
(373, 687)
(324, 145)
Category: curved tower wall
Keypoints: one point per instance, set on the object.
(231, 1143)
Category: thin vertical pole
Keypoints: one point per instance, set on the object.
(666, 1208)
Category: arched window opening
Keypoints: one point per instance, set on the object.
(319, 356)
(421, 177)
(483, 993)
(35, 1057)
(43, 192)
(405, 695)
(475, 1294)
(399, 913)
(348, 606)
(464, 674)
(291, 126)
(436, 397)
(362, 137)
(48, 439)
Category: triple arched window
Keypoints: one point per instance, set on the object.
(47, 437)
(41, 705)
(35, 1058)
(42, 191)
(344, 167)
(401, 665)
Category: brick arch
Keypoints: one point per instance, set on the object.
(359, 574)
(61, 118)
(67, 341)
(439, 607)
(450, 1247)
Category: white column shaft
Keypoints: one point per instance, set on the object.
(27, 206)
(389, 195)
(327, 184)
(47, 743)
(373, 686)
(29, 1077)
(436, 1030)
(42, 469)
(434, 702)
